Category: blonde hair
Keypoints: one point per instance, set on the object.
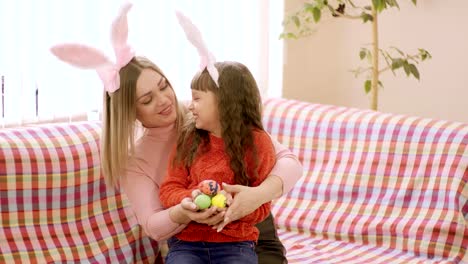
(119, 120)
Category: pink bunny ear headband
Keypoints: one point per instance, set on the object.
(87, 57)
(195, 37)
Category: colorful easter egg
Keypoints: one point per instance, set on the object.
(203, 201)
(219, 200)
(209, 187)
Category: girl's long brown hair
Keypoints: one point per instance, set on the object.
(239, 106)
(119, 120)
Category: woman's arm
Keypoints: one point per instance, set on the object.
(287, 168)
(281, 179)
(266, 161)
(143, 195)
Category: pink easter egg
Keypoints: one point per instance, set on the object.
(209, 187)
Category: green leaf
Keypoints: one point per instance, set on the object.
(376, 3)
(414, 2)
(393, 3)
(397, 63)
(414, 70)
(287, 35)
(317, 13)
(366, 17)
(309, 7)
(407, 68)
(296, 20)
(379, 5)
(362, 54)
(424, 54)
(367, 86)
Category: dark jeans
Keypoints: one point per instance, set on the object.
(181, 252)
(269, 248)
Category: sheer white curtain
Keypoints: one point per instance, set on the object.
(241, 30)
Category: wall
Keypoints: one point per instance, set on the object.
(316, 68)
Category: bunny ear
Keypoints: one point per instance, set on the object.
(195, 37)
(87, 57)
(191, 31)
(81, 56)
(119, 36)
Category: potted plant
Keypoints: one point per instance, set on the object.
(301, 24)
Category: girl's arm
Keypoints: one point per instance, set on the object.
(174, 186)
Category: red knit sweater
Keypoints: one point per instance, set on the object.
(214, 165)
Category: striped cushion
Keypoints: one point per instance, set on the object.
(54, 205)
(377, 188)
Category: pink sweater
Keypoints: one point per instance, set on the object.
(147, 168)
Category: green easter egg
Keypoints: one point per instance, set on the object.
(219, 200)
(203, 201)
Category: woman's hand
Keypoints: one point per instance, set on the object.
(245, 201)
(228, 196)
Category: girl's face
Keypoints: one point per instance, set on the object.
(155, 100)
(204, 108)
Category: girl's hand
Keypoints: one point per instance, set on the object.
(195, 193)
(210, 216)
(188, 204)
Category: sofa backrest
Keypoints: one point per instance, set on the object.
(373, 178)
(54, 204)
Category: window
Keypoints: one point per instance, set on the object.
(37, 85)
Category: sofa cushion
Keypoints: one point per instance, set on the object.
(376, 188)
(55, 206)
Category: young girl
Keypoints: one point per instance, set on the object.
(223, 141)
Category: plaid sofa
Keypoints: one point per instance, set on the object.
(377, 188)
(54, 204)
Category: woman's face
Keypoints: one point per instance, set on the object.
(155, 103)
